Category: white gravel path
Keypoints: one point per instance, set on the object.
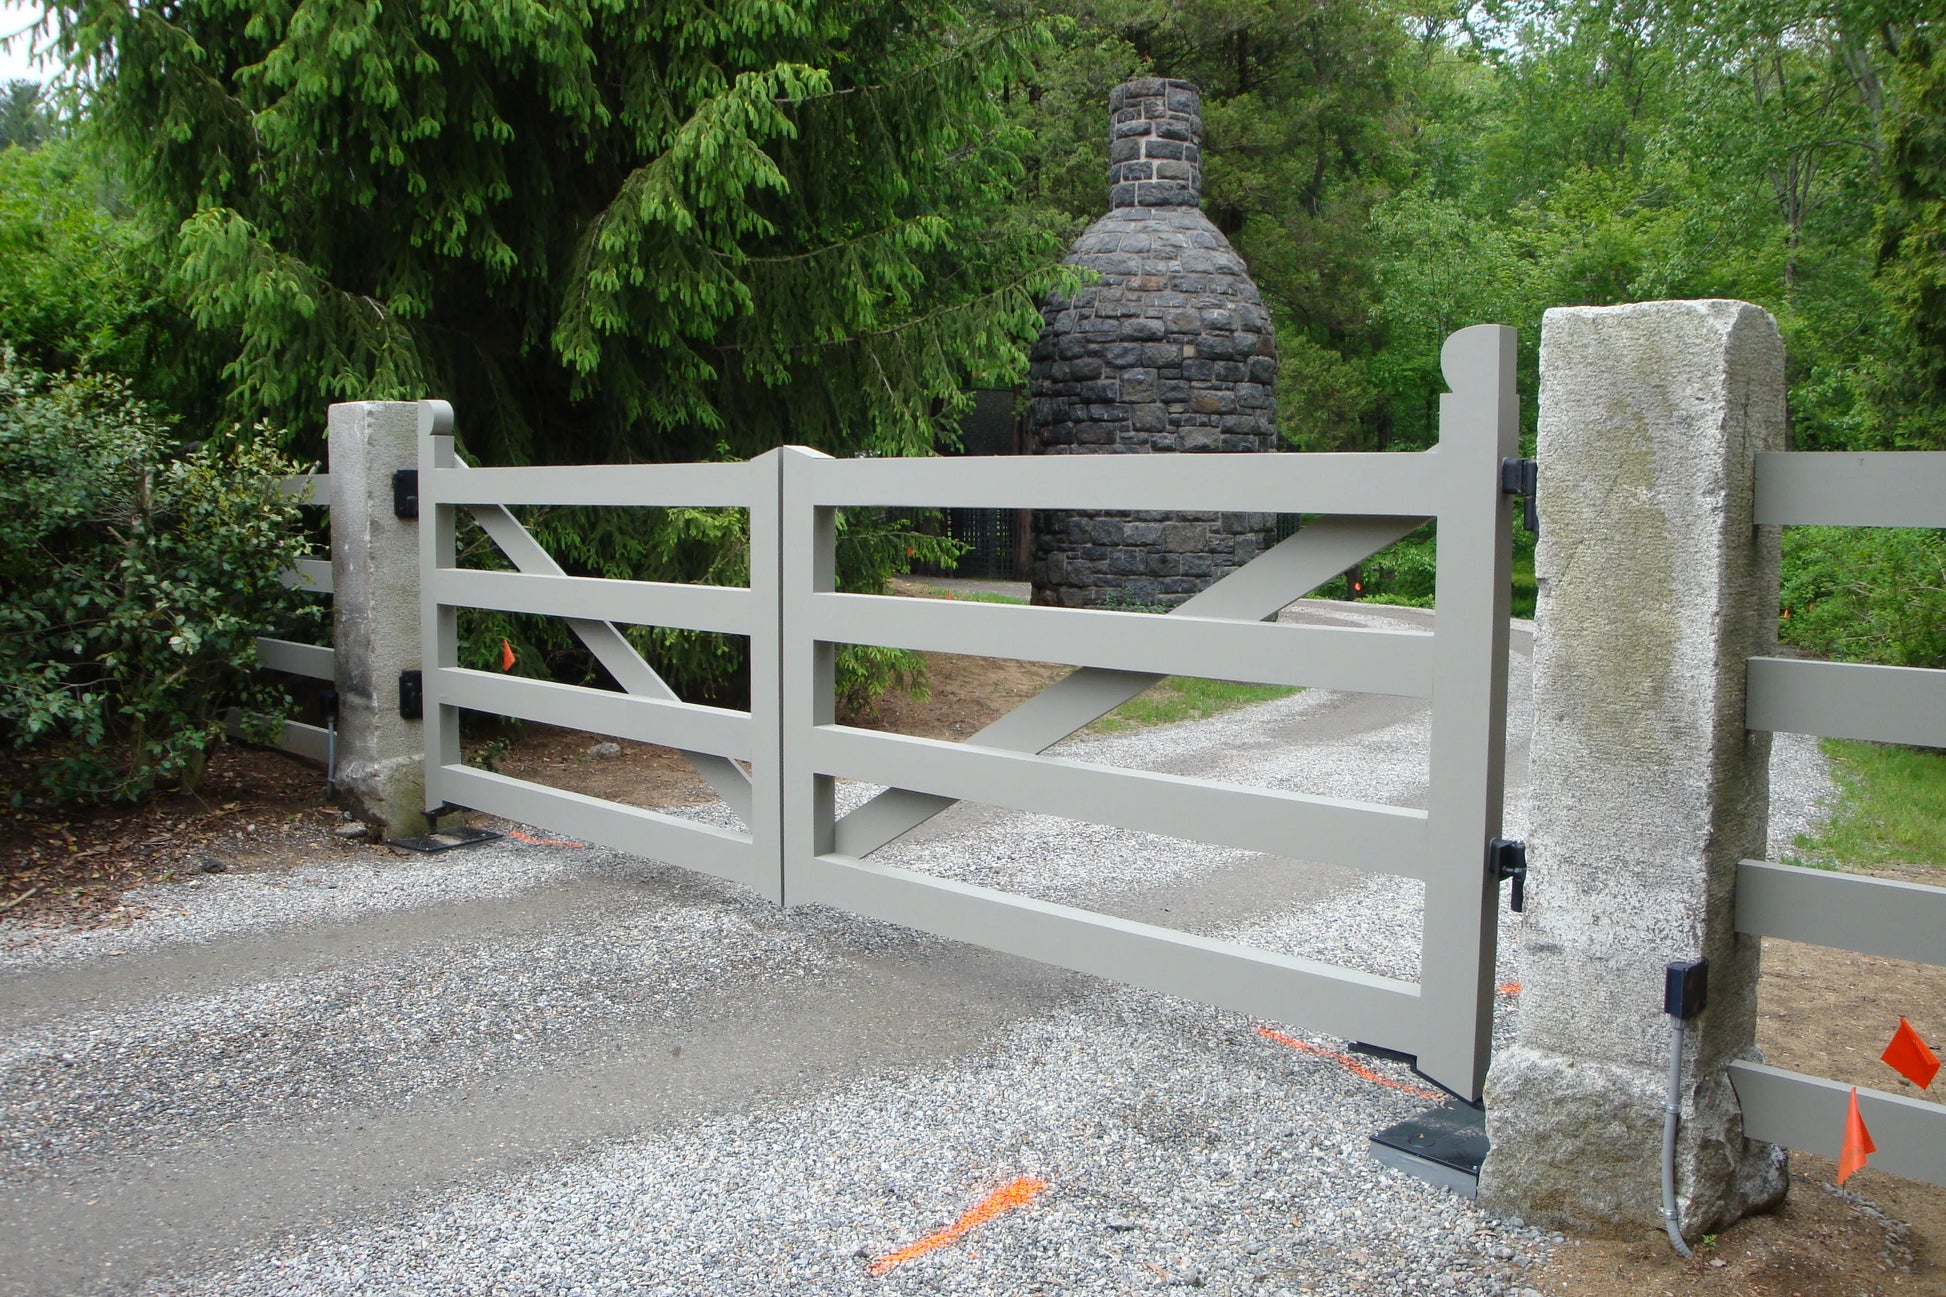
(1179, 1145)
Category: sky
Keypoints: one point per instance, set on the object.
(14, 64)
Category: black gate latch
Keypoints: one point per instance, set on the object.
(1507, 858)
(1521, 477)
(412, 695)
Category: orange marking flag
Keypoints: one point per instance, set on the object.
(1908, 1055)
(1015, 1193)
(506, 656)
(1858, 1142)
(1351, 1065)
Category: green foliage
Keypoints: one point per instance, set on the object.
(1866, 594)
(71, 292)
(1891, 808)
(79, 288)
(603, 231)
(134, 581)
(1909, 395)
(24, 116)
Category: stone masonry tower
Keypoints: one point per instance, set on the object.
(1170, 350)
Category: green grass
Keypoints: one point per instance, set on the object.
(1891, 809)
(971, 596)
(1185, 698)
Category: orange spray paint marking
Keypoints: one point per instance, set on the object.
(544, 842)
(1016, 1193)
(1508, 988)
(1351, 1065)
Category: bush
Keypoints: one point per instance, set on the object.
(134, 581)
(1866, 594)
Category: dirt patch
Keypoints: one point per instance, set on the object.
(255, 809)
(1825, 1013)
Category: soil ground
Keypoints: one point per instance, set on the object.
(1821, 1010)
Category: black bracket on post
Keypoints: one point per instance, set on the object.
(1507, 858)
(405, 492)
(1521, 477)
(412, 695)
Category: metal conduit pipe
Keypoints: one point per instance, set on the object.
(1685, 990)
(1671, 1107)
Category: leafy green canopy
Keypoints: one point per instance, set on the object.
(604, 229)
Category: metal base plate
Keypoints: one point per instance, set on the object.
(1443, 1145)
(461, 835)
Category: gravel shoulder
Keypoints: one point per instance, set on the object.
(538, 1068)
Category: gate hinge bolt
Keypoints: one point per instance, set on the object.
(1522, 477)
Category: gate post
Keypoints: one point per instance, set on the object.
(375, 613)
(1647, 789)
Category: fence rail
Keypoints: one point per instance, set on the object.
(1808, 1113)
(1900, 488)
(1873, 916)
(1849, 700)
(312, 661)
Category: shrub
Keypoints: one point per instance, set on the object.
(134, 581)
(1866, 594)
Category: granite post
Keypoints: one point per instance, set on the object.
(1655, 587)
(375, 635)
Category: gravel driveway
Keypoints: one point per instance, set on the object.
(542, 1069)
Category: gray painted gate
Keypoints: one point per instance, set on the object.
(796, 850)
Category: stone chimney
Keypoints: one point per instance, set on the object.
(1170, 350)
(1155, 144)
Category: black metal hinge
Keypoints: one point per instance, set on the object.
(412, 695)
(1520, 477)
(405, 492)
(1507, 858)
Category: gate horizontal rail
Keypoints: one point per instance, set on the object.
(1325, 657)
(1389, 484)
(656, 486)
(1326, 998)
(1357, 835)
(1873, 916)
(730, 609)
(685, 726)
(1847, 700)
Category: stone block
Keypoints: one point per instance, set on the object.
(1646, 788)
(375, 614)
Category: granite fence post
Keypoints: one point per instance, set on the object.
(375, 635)
(1655, 587)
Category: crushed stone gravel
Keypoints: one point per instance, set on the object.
(1180, 1146)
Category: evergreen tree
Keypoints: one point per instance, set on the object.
(1912, 242)
(604, 229)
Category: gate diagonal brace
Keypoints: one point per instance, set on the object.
(612, 649)
(1258, 591)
